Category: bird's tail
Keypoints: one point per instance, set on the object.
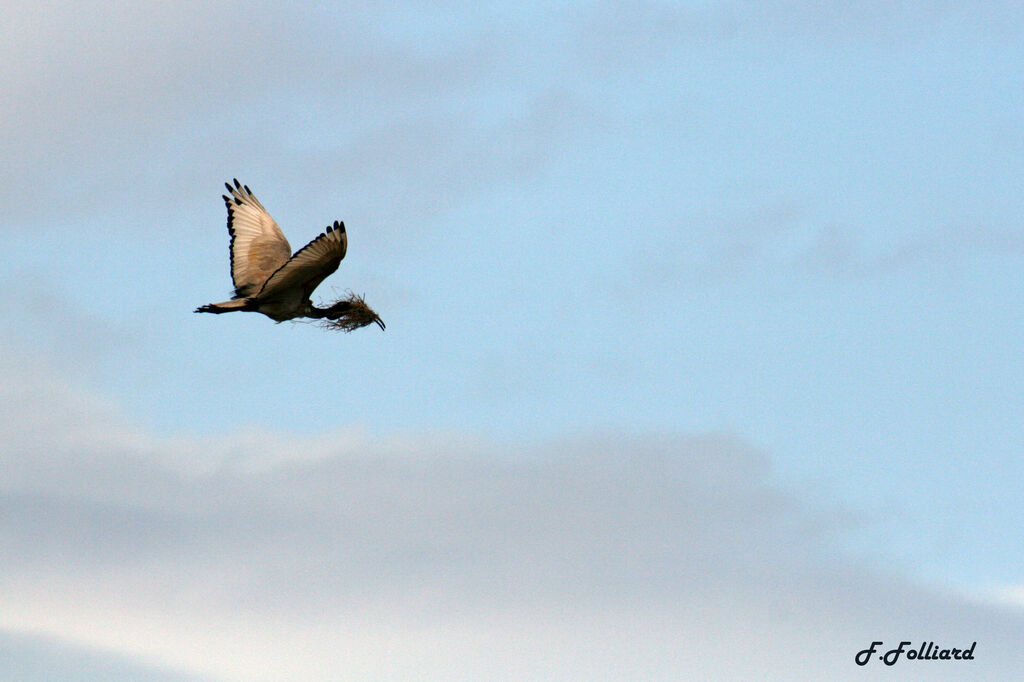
(226, 306)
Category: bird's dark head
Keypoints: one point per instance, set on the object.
(349, 314)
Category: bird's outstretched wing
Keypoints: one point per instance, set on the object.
(310, 265)
(258, 248)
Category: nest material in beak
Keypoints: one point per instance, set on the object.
(356, 315)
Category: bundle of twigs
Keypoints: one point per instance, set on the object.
(350, 313)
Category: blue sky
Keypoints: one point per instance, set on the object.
(695, 311)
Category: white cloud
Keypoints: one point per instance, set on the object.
(1009, 595)
(352, 555)
(104, 96)
(25, 656)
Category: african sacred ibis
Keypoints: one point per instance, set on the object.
(269, 280)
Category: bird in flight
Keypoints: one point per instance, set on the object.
(268, 279)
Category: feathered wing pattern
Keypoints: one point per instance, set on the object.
(258, 247)
(310, 265)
